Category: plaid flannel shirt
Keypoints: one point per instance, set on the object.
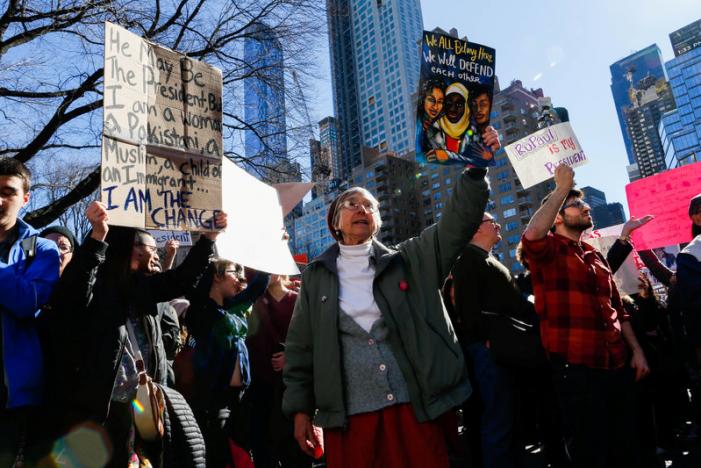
(578, 303)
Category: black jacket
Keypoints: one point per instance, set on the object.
(97, 312)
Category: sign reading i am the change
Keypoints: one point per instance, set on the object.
(162, 136)
(535, 157)
(455, 100)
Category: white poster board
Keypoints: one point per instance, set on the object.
(291, 193)
(626, 277)
(535, 157)
(254, 235)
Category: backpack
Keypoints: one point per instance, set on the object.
(29, 247)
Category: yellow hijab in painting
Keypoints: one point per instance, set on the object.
(456, 130)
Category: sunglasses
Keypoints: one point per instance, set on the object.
(578, 203)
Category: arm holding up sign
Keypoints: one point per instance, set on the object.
(172, 247)
(545, 217)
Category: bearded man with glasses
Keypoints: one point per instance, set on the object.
(594, 355)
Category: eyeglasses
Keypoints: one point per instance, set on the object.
(578, 203)
(151, 248)
(352, 205)
(64, 249)
(491, 220)
(237, 273)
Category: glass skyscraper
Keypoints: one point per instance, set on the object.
(264, 102)
(375, 69)
(680, 129)
(625, 73)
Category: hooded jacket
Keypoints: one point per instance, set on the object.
(23, 289)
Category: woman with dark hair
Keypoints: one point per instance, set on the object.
(216, 321)
(429, 110)
(114, 288)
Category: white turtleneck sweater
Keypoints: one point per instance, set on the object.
(355, 276)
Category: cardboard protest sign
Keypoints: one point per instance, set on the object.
(291, 193)
(254, 237)
(626, 277)
(455, 99)
(162, 139)
(161, 237)
(535, 157)
(665, 195)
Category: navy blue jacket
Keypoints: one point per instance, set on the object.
(22, 291)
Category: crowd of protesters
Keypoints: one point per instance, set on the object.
(426, 354)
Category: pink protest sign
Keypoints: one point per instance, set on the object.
(666, 196)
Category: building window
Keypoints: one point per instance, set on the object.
(505, 187)
(510, 212)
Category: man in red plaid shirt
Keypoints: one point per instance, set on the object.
(585, 331)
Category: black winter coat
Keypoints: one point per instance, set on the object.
(98, 314)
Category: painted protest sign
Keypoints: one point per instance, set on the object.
(161, 237)
(626, 276)
(665, 195)
(162, 139)
(455, 100)
(535, 157)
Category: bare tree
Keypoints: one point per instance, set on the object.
(51, 74)
(56, 180)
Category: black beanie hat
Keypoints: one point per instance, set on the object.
(694, 205)
(65, 232)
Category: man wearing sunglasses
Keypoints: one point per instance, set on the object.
(594, 355)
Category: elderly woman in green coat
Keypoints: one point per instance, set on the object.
(371, 356)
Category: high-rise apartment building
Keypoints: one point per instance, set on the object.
(603, 214)
(328, 140)
(680, 129)
(594, 197)
(375, 70)
(632, 69)
(515, 114)
(650, 98)
(264, 103)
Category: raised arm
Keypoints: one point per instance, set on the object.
(544, 218)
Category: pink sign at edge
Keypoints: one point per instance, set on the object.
(665, 195)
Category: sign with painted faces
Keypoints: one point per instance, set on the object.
(454, 101)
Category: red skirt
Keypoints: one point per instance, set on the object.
(387, 438)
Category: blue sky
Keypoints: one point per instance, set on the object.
(565, 47)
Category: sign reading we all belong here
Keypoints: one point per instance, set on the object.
(162, 136)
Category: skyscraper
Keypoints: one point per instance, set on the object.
(680, 129)
(515, 114)
(375, 70)
(264, 103)
(650, 97)
(328, 140)
(631, 69)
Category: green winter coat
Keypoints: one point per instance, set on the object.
(406, 288)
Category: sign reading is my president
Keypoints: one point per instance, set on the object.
(162, 138)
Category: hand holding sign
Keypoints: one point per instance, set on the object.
(98, 218)
(220, 223)
(564, 176)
